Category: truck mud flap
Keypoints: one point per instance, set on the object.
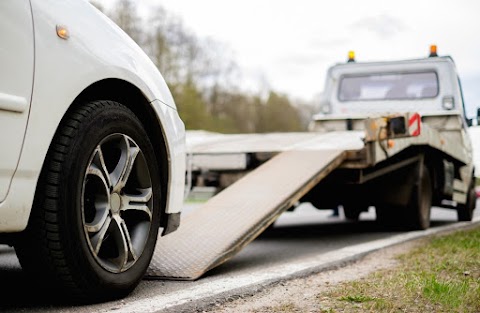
(229, 221)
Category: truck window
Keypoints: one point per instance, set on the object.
(388, 86)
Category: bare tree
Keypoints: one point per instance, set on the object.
(203, 76)
(98, 5)
(126, 16)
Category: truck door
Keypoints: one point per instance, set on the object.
(16, 82)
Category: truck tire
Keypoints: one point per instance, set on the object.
(420, 204)
(352, 212)
(416, 214)
(465, 211)
(96, 213)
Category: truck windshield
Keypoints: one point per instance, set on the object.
(388, 86)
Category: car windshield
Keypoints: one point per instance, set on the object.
(388, 86)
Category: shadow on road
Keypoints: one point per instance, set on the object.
(335, 229)
(20, 290)
(287, 243)
(22, 293)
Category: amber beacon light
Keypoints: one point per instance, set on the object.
(433, 51)
(351, 56)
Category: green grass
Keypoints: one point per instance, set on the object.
(357, 298)
(448, 293)
(441, 276)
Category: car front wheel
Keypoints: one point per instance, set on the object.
(95, 219)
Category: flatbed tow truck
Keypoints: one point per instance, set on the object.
(392, 135)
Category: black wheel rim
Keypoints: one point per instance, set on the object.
(117, 203)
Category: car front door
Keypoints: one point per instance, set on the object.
(16, 82)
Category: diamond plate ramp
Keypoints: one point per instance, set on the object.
(229, 221)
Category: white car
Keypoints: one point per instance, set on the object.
(92, 157)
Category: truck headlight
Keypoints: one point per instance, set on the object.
(448, 103)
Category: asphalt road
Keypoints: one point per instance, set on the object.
(295, 236)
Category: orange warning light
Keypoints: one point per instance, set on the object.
(390, 143)
(62, 32)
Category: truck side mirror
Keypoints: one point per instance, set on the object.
(325, 107)
(474, 121)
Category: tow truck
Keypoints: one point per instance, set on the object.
(392, 135)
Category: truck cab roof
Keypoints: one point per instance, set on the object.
(428, 60)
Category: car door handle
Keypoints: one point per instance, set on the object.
(12, 103)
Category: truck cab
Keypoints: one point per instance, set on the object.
(427, 88)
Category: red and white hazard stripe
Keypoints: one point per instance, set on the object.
(414, 125)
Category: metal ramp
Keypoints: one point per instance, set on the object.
(225, 224)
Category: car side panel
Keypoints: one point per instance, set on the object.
(16, 79)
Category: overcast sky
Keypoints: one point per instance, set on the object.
(291, 44)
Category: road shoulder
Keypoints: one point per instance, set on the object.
(296, 294)
(203, 295)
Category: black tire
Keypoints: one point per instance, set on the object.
(416, 214)
(420, 204)
(465, 211)
(69, 242)
(352, 212)
(387, 215)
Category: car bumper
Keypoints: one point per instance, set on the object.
(176, 148)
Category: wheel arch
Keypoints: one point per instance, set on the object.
(132, 97)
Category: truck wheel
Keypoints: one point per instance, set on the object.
(95, 219)
(420, 205)
(352, 212)
(465, 211)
